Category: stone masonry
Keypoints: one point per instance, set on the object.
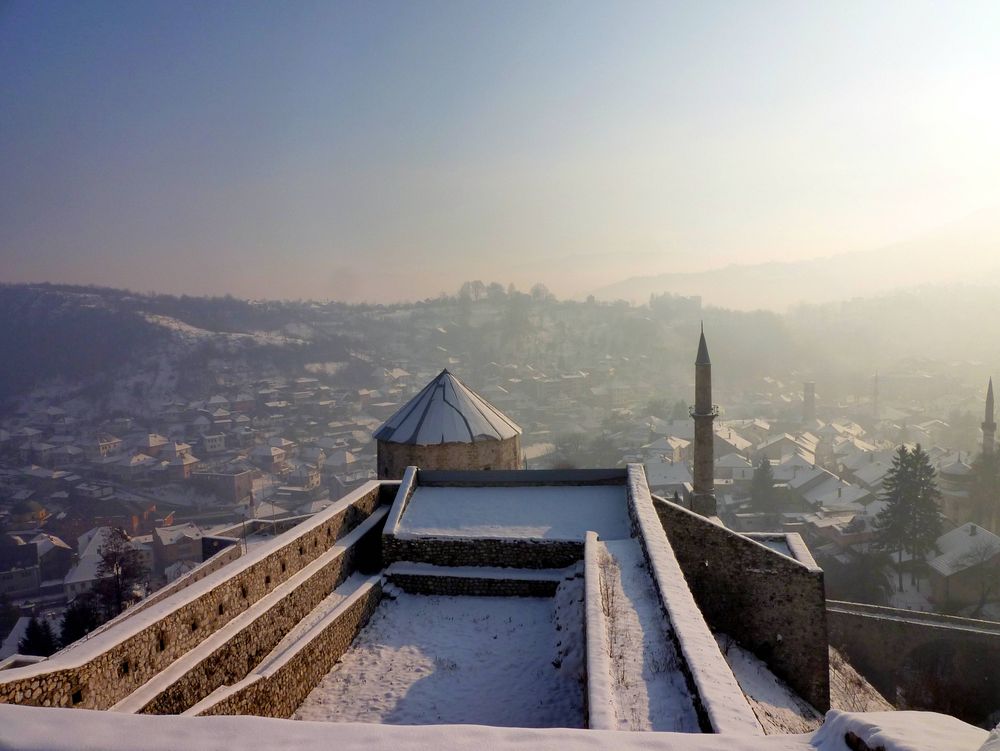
(771, 605)
(155, 639)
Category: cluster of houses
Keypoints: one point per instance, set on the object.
(829, 477)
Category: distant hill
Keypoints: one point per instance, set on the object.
(966, 252)
(92, 338)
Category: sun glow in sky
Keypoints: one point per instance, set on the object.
(387, 150)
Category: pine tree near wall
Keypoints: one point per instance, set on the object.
(38, 639)
(911, 521)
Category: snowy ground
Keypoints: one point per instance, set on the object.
(777, 707)
(551, 513)
(480, 660)
(649, 691)
(911, 596)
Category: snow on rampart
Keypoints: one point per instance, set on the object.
(104, 669)
(722, 703)
(230, 652)
(281, 682)
(600, 706)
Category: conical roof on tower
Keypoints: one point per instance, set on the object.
(447, 411)
(702, 358)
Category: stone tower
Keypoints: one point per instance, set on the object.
(809, 403)
(989, 424)
(704, 414)
(447, 426)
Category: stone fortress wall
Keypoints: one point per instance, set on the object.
(772, 604)
(279, 687)
(207, 647)
(99, 672)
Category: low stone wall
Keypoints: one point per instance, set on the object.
(600, 714)
(223, 558)
(244, 649)
(509, 553)
(278, 690)
(98, 673)
(420, 580)
(769, 603)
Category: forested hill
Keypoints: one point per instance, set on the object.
(80, 334)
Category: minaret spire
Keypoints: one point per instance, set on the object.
(989, 423)
(704, 414)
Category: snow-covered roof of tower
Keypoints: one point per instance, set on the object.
(447, 411)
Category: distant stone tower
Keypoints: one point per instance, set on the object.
(989, 424)
(875, 412)
(704, 414)
(447, 426)
(809, 402)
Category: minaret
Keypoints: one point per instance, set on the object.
(989, 424)
(703, 413)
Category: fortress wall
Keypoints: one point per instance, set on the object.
(508, 553)
(771, 604)
(394, 458)
(243, 650)
(717, 697)
(98, 672)
(224, 557)
(279, 689)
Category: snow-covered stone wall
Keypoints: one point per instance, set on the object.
(280, 688)
(718, 699)
(474, 581)
(236, 650)
(512, 553)
(100, 671)
(600, 712)
(771, 604)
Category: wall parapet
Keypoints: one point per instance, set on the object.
(600, 712)
(717, 697)
(278, 686)
(103, 670)
(236, 649)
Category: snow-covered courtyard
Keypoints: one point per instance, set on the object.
(477, 660)
(543, 512)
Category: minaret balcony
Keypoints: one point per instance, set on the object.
(713, 412)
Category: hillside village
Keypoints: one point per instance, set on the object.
(429, 575)
(171, 465)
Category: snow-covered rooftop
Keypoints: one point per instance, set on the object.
(447, 411)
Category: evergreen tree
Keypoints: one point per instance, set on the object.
(119, 570)
(911, 521)
(81, 617)
(38, 639)
(8, 615)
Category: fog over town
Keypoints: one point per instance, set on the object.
(463, 370)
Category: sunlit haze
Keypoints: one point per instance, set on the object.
(388, 151)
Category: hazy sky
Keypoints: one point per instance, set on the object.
(378, 150)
